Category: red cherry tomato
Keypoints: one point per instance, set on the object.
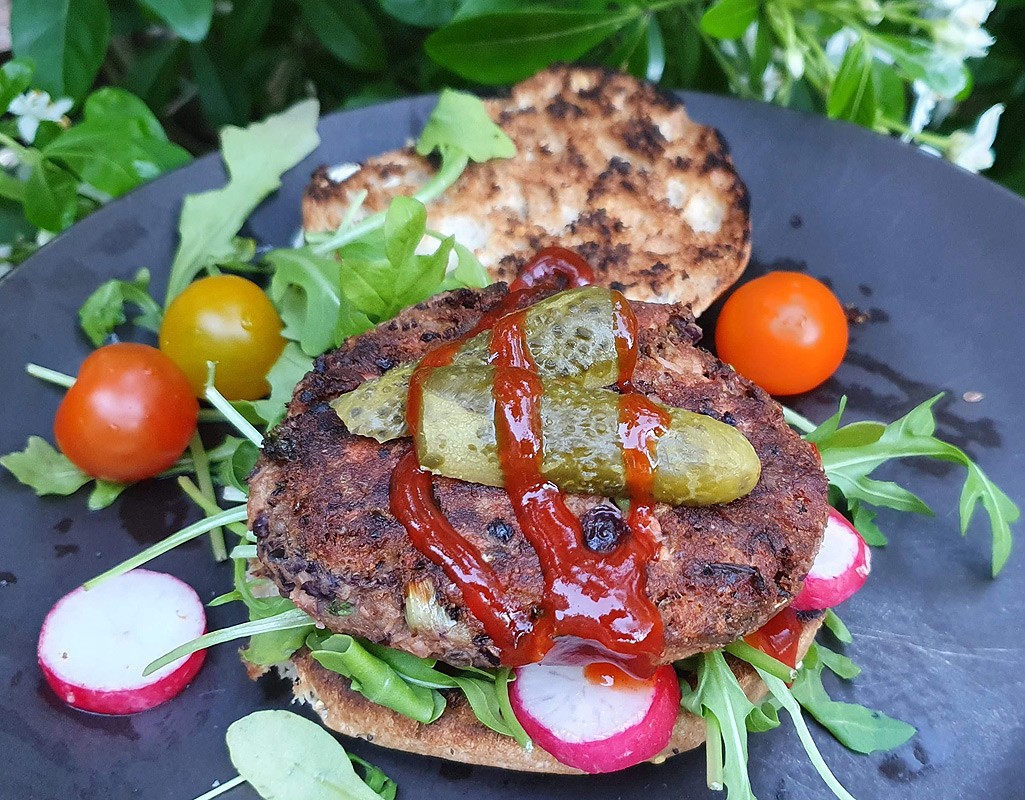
(129, 415)
(230, 321)
(785, 331)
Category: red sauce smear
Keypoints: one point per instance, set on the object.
(780, 637)
(596, 599)
(554, 266)
(604, 673)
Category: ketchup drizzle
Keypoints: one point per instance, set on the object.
(780, 637)
(598, 600)
(554, 266)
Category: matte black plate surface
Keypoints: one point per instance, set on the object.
(933, 255)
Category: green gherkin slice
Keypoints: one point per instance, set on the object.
(569, 335)
(700, 461)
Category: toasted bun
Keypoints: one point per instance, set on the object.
(457, 735)
(606, 164)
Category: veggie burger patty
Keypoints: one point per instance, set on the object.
(319, 503)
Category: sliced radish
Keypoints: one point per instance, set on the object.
(591, 726)
(840, 568)
(95, 644)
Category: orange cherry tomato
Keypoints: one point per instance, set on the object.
(230, 321)
(129, 414)
(785, 331)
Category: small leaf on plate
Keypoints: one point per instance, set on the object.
(286, 757)
(44, 469)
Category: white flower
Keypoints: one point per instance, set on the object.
(750, 37)
(772, 80)
(973, 13)
(35, 107)
(922, 111)
(962, 41)
(838, 44)
(795, 63)
(973, 149)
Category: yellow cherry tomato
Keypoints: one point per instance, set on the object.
(230, 321)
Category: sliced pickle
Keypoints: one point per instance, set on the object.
(700, 461)
(570, 335)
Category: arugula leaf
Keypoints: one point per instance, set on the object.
(719, 699)
(836, 627)
(374, 678)
(255, 158)
(286, 372)
(271, 646)
(461, 122)
(383, 274)
(234, 470)
(305, 289)
(283, 755)
(858, 728)
(45, 469)
(375, 778)
(763, 718)
(460, 129)
(782, 695)
(104, 493)
(481, 688)
(289, 619)
(852, 452)
(104, 309)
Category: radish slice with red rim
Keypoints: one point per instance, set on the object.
(94, 644)
(594, 727)
(840, 569)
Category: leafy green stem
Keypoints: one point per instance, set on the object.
(289, 620)
(713, 753)
(756, 658)
(795, 420)
(207, 505)
(201, 465)
(231, 416)
(50, 375)
(186, 534)
(225, 787)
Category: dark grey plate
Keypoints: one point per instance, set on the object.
(933, 255)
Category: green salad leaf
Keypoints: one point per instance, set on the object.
(273, 646)
(284, 756)
(460, 129)
(779, 691)
(45, 469)
(255, 157)
(858, 728)
(104, 309)
(290, 619)
(460, 122)
(375, 678)
(306, 290)
(851, 453)
(720, 700)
